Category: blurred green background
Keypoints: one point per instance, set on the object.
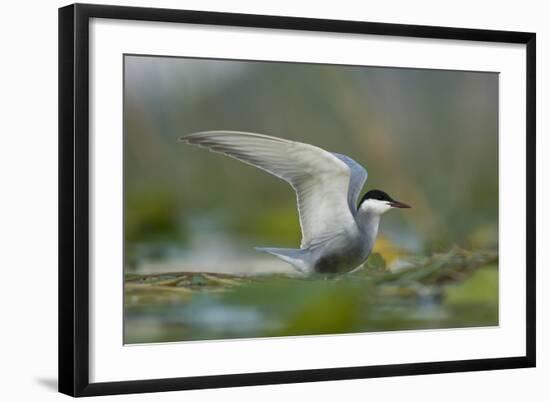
(427, 137)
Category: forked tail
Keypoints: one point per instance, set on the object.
(295, 257)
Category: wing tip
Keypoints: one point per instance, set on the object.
(191, 138)
(197, 137)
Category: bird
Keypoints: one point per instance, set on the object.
(338, 233)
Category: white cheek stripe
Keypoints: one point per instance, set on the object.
(376, 206)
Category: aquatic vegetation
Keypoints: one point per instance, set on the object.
(446, 290)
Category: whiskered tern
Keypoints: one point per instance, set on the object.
(337, 233)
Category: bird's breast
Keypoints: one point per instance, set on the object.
(342, 255)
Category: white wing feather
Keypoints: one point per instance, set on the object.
(321, 180)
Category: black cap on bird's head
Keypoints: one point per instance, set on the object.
(381, 196)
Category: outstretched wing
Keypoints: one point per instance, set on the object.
(321, 180)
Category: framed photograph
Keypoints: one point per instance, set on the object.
(251, 199)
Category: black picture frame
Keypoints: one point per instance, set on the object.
(74, 198)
